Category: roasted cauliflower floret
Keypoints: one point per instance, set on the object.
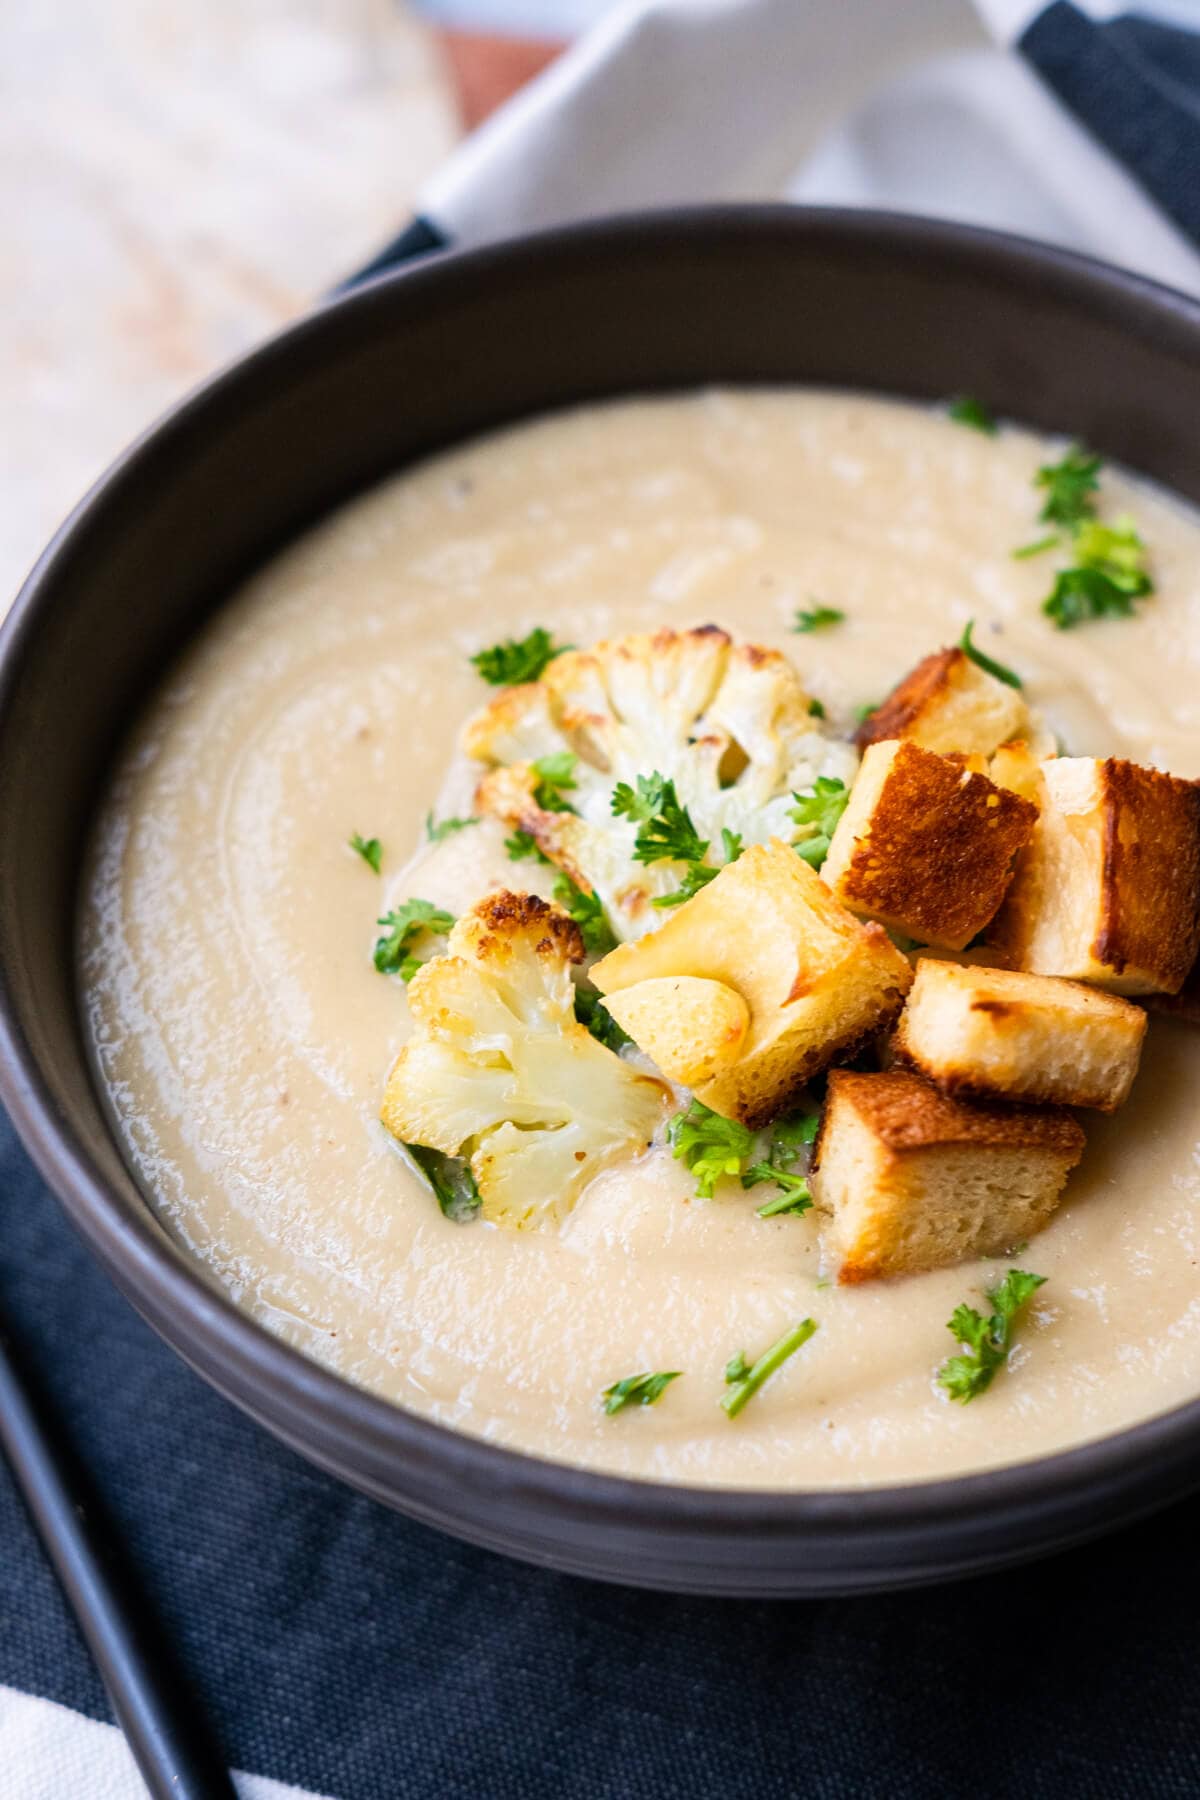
(729, 724)
(499, 1071)
(814, 982)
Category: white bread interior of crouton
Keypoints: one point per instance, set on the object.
(947, 704)
(1108, 889)
(690, 1026)
(817, 983)
(1005, 1035)
(915, 1181)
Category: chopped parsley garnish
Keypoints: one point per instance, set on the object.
(790, 1138)
(863, 713)
(451, 1180)
(445, 827)
(709, 1146)
(1037, 547)
(591, 1011)
(1083, 594)
(637, 1390)
(587, 911)
(518, 659)
(1115, 551)
(817, 812)
(370, 849)
(743, 1379)
(666, 834)
(816, 709)
(665, 829)
(403, 925)
(966, 411)
(987, 663)
(556, 774)
(1070, 487)
(522, 845)
(817, 619)
(699, 874)
(793, 1195)
(985, 1342)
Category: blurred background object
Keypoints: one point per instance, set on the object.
(493, 47)
(177, 181)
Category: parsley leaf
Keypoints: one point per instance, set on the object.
(986, 663)
(591, 1011)
(863, 713)
(985, 1342)
(451, 1180)
(637, 1390)
(665, 829)
(966, 411)
(1082, 594)
(404, 924)
(1115, 551)
(555, 775)
(699, 874)
(518, 659)
(1070, 486)
(523, 845)
(1036, 548)
(817, 812)
(370, 849)
(708, 1145)
(817, 709)
(793, 1195)
(817, 619)
(444, 829)
(587, 912)
(743, 1383)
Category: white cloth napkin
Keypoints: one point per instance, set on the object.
(912, 105)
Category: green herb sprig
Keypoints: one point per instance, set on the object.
(965, 410)
(522, 846)
(452, 1182)
(555, 778)
(402, 926)
(985, 1341)
(988, 663)
(817, 812)
(637, 1390)
(587, 910)
(709, 1145)
(818, 619)
(370, 849)
(743, 1379)
(515, 660)
(591, 1012)
(437, 833)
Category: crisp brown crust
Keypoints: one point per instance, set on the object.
(939, 854)
(1185, 1005)
(908, 1114)
(893, 718)
(1150, 891)
(504, 916)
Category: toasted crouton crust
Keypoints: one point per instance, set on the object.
(815, 981)
(926, 845)
(948, 703)
(915, 1180)
(1108, 889)
(997, 1034)
(1185, 1005)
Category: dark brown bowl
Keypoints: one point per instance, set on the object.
(410, 363)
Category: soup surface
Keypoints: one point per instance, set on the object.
(243, 1034)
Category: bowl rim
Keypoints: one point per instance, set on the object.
(165, 1283)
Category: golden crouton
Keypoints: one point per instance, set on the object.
(1108, 889)
(993, 1033)
(698, 1027)
(948, 703)
(815, 981)
(926, 844)
(1185, 1005)
(915, 1180)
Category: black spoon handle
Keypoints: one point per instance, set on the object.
(162, 1727)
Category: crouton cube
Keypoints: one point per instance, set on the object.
(914, 1180)
(815, 982)
(948, 703)
(1108, 889)
(926, 844)
(997, 1034)
(1185, 1005)
(698, 1027)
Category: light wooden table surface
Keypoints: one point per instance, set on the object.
(176, 181)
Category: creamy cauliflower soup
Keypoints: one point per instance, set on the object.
(245, 1036)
